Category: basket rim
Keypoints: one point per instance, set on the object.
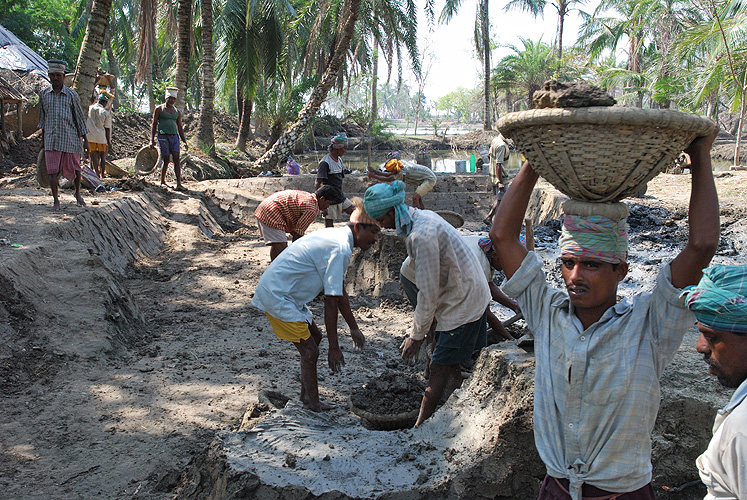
(454, 218)
(606, 115)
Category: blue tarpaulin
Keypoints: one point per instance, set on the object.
(17, 56)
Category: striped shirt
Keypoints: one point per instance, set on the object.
(62, 120)
(596, 391)
(291, 211)
(420, 175)
(452, 287)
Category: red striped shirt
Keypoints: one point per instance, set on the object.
(291, 211)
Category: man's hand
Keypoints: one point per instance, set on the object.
(186, 145)
(335, 359)
(417, 201)
(702, 144)
(358, 339)
(410, 349)
(514, 306)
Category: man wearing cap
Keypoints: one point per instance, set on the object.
(331, 172)
(720, 306)
(408, 172)
(451, 289)
(99, 133)
(598, 362)
(291, 211)
(63, 124)
(498, 155)
(314, 264)
(167, 124)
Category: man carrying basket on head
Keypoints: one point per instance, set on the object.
(410, 173)
(598, 362)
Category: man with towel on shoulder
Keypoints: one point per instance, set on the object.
(720, 306)
(598, 362)
(331, 173)
(451, 289)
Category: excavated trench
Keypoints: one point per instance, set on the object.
(479, 444)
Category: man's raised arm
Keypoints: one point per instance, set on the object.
(509, 218)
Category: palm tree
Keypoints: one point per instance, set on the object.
(183, 49)
(250, 44)
(537, 8)
(205, 134)
(145, 48)
(90, 51)
(281, 148)
(531, 66)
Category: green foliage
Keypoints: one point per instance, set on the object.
(45, 26)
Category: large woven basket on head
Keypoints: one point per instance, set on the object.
(452, 218)
(146, 160)
(601, 153)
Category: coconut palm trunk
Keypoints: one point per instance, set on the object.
(205, 133)
(183, 46)
(284, 145)
(90, 51)
(485, 32)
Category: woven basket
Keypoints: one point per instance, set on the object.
(387, 422)
(114, 170)
(601, 153)
(42, 177)
(146, 160)
(452, 218)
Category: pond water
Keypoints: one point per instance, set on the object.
(441, 161)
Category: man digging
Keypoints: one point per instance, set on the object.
(314, 264)
(452, 290)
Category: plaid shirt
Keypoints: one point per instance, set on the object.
(451, 286)
(291, 211)
(596, 391)
(62, 120)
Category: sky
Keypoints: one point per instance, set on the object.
(456, 64)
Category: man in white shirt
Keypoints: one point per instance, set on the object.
(720, 306)
(314, 264)
(452, 288)
(99, 133)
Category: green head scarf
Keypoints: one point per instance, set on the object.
(381, 197)
(719, 301)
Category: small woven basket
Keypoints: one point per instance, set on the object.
(601, 153)
(387, 422)
(452, 218)
(114, 170)
(146, 160)
(42, 177)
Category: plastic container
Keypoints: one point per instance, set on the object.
(460, 166)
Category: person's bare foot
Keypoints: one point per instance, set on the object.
(56, 205)
(164, 185)
(80, 201)
(323, 406)
(179, 187)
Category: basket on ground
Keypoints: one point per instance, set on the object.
(452, 218)
(601, 154)
(146, 160)
(114, 170)
(387, 422)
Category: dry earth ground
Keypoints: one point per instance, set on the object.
(127, 338)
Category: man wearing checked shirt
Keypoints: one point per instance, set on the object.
(598, 362)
